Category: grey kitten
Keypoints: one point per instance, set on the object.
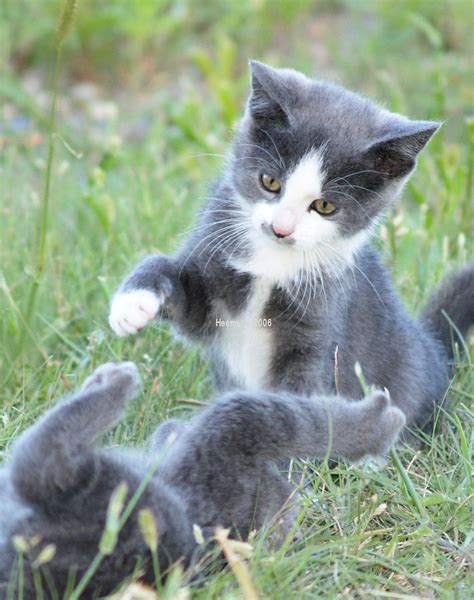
(280, 274)
(218, 471)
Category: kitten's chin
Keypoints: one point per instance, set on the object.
(271, 261)
(280, 264)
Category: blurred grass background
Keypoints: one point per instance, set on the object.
(149, 93)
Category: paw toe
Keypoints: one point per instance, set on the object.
(397, 418)
(131, 311)
(380, 401)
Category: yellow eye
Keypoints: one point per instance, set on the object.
(269, 183)
(323, 207)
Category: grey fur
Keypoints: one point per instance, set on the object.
(452, 301)
(218, 471)
(367, 154)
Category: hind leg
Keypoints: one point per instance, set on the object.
(56, 453)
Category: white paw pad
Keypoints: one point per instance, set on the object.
(131, 311)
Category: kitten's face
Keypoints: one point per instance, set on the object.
(313, 168)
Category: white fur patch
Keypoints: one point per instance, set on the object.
(244, 343)
(315, 240)
(305, 183)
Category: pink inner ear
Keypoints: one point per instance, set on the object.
(284, 221)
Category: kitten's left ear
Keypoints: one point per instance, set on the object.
(395, 152)
(269, 94)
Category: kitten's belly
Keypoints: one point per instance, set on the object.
(244, 340)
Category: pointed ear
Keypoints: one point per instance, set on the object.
(267, 96)
(396, 151)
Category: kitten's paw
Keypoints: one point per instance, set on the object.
(131, 311)
(384, 421)
(123, 376)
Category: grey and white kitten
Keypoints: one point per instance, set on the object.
(280, 271)
(218, 471)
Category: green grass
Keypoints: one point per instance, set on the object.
(182, 70)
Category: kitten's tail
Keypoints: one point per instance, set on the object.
(450, 309)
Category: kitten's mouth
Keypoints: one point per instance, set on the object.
(286, 240)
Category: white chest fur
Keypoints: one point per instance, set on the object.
(244, 340)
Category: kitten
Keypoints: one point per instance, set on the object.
(280, 273)
(218, 471)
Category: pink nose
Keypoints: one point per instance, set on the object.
(284, 222)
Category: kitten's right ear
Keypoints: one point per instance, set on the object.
(396, 152)
(267, 96)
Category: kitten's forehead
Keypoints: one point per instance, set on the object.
(325, 116)
(333, 116)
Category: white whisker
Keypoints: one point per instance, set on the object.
(281, 161)
(263, 150)
(353, 174)
(355, 266)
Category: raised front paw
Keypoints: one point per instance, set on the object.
(131, 311)
(122, 375)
